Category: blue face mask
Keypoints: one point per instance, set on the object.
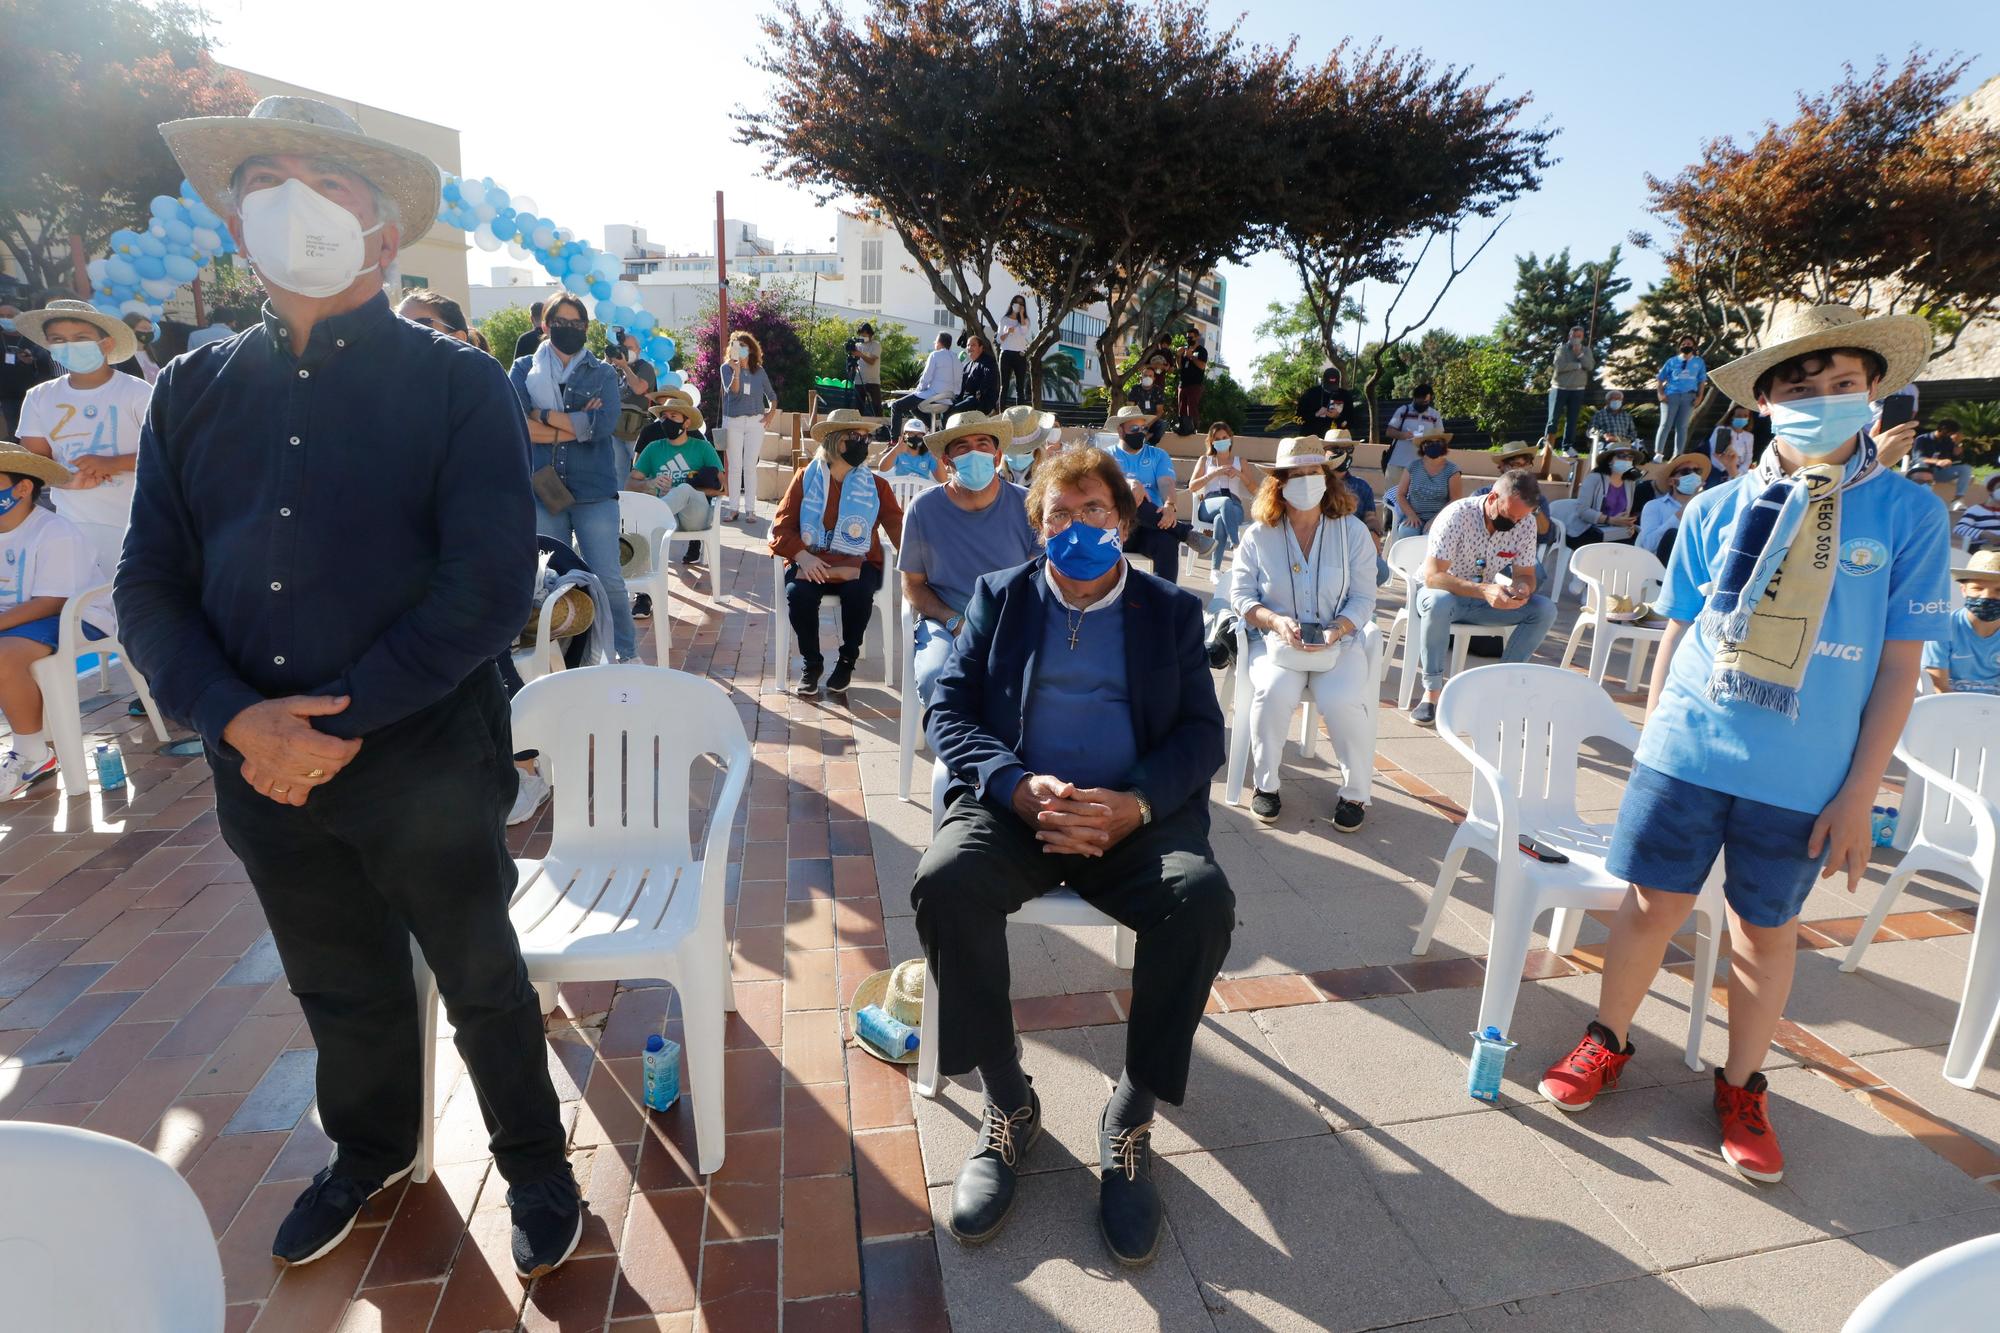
(1979, 608)
(1020, 463)
(1687, 483)
(7, 324)
(1817, 427)
(975, 470)
(78, 358)
(7, 501)
(1083, 553)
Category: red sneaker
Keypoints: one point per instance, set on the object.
(1574, 1081)
(1748, 1142)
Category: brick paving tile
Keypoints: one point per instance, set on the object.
(1040, 1013)
(305, 1152)
(821, 1257)
(854, 877)
(135, 1105)
(739, 1285)
(605, 1176)
(743, 1198)
(1270, 992)
(1359, 983)
(761, 903)
(91, 916)
(809, 924)
(120, 937)
(148, 962)
(94, 1074)
(878, 1094)
(635, 1016)
(210, 1021)
(243, 1056)
(574, 1296)
(611, 1110)
(667, 1152)
(754, 1082)
(482, 1292)
(901, 1286)
(429, 1223)
(811, 979)
(1442, 973)
(1841, 930)
(179, 989)
(228, 1170)
(824, 1314)
(248, 1270)
(810, 877)
(313, 1299)
(1920, 925)
(759, 954)
(72, 1031)
(889, 1182)
(38, 1001)
(812, 1047)
(816, 1134)
(759, 1016)
(1947, 1141)
(392, 1309)
(660, 1255)
(189, 1125)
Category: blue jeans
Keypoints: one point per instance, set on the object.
(1676, 411)
(1438, 610)
(1960, 474)
(932, 650)
(1567, 404)
(1225, 512)
(593, 527)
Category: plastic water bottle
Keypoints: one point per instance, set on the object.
(884, 1033)
(1489, 1060)
(663, 1073)
(110, 768)
(1882, 824)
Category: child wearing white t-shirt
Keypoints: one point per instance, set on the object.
(90, 418)
(44, 561)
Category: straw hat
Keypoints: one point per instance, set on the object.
(1298, 451)
(1516, 449)
(1338, 435)
(842, 418)
(687, 409)
(661, 397)
(900, 991)
(1031, 427)
(23, 463)
(1985, 566)
(1130, 415)
(962, 424)
(1902, 341)
(573, 614)
(210, 148)
(123, 344)
(1700, 461)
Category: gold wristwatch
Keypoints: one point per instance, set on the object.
(1145, 807)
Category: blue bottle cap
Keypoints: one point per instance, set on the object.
(1492, 1033)
(656, 1042)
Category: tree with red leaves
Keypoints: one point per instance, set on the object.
(84, 86)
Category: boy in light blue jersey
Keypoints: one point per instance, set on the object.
(1799, 598)
(1967, 659)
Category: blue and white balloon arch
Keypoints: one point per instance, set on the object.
(184, 236)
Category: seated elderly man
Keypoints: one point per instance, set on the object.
(1479, 569)
(1079, 725)
(973, 524)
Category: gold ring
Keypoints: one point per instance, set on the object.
(281, 791)
(317, 773)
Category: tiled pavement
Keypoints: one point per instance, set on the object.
(1327, 1170)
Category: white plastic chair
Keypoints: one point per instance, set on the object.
(544, 656)
(909, 735)
(907, 488)
(883, 621)
(647, 520)
(1061, 907)
(1952, 1291)
(1560, 512)
(1308, 743)
(1952, 741)
(97, 1233)
(1615, 569)
(58, 678)
(621, 892)
(1406, 558)
(1527, 726)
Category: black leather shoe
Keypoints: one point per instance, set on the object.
(548, 1223)
(1128, 1202)
(983, 1195)
(324, 1213)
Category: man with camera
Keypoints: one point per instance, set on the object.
(864, 370)
(635, 381)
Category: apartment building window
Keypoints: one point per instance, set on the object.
(943, 318)
(871, 257)
(871, 286)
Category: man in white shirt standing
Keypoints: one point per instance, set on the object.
(89, 419)
(1409, 426)
(942, 372)
(44, 561)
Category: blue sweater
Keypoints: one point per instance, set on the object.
(1079, 714)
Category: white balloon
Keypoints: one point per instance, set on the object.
(523, 204)
(484, 238)
(625, 293)
(514, 249)
(472, 192)
(134, 307)
(486, 212)
(565, 235)
(158, 288)
(208, 239)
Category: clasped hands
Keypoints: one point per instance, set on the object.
(284, 757)
(1077, 821)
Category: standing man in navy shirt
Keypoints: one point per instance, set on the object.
(331, 539)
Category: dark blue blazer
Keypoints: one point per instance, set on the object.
(978, 710)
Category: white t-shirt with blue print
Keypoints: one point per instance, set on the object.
(1894, 582)
(1972, 659)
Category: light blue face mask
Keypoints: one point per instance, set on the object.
(1020, 463)
(1817, 427)
(78, 358)
(1687, 483)
(975, 470)
(6, 324)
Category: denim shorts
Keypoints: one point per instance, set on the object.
(1670, 832)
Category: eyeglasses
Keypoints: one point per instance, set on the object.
(1096, 515)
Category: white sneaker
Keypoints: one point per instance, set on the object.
(18, 774)
(528, 796)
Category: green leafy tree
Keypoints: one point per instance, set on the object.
(1661, 316)
(1293, 365)
(230, 292)
(84, 85)
(1553, 295)
(503, 328)
(1482, 382)
(1223, 400)
(1060, 377)
(827, 338)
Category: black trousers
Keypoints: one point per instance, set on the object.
(857, 602)
(408, 840)
(868, 399)
(1014, 370)
(1163, 882)
(1160, 545)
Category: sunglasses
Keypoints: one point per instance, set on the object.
(431, 323)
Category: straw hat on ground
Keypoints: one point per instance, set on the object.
(900, 991)
(1902, 341)
(1031, 427)
(24, 463)
(210, 148)
(1700, 462)
(123, 344)
(1298, 451)
(843, 418)
(1130, 415)
(962, 424)
(1985, 566)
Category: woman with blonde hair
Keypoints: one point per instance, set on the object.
(1304, 583)
(1219, 492)
(748, 405)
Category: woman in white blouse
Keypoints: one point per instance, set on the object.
(1304, 583)
(1014, 350)
(1219, 492)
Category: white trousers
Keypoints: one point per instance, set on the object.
(742, 442)
(1341, 694)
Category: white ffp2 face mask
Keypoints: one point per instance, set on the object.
(1304, 492)
(302, 241)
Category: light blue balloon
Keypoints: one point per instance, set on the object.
(178, 233)
(125, 241)
(670, 379)
(180, 268)
(576, 262)
(669, 347)
(150, 244)
(150, 266)
(496, 196)
(119, 269)
(108, 305)
(450, 192)
(502, 228)
(166, 206)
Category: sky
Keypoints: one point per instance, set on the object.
(1632, 88)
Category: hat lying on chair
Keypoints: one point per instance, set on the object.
(900, 991)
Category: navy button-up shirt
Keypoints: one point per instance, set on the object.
(354, 521)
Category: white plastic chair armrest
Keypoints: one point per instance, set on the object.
(1508, 818)
(1985, 817)
(69, 629)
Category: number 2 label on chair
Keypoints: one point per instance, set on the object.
(622, 697)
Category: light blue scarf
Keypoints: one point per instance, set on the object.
(853, 531)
